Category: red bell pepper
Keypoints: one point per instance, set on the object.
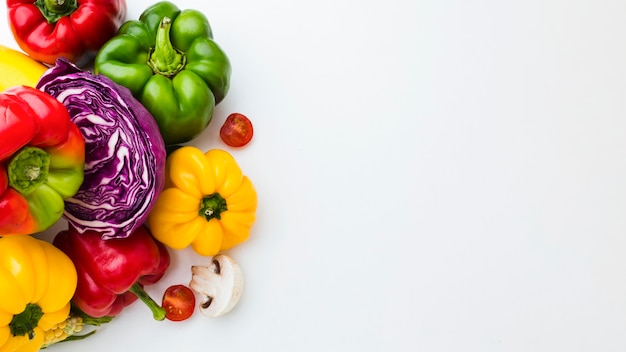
(73, 29)
(42, 155)
(112, 273)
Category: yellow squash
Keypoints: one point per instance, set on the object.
(207, 202)
(18, 69)
(37, 282)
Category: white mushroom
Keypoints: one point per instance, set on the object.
(220, 284)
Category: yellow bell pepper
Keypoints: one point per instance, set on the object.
(207, 202)
(18, 69)
(37, 282)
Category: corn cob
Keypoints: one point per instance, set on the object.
(67, 330)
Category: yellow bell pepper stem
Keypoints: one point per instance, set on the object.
(18, 69)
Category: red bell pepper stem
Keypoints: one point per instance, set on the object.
(28, 169)
(57, 6)
(53, 10)
(157, 311)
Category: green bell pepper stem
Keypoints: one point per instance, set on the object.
(165, 59)
(158, 312)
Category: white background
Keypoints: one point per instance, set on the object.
(432, 176)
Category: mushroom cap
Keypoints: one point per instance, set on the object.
(220, 284)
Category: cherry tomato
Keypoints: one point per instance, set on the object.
(237, 130)
(179, 302)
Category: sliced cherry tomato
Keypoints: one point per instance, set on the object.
(237, 130)
(179, 302)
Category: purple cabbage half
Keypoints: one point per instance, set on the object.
(124, 151)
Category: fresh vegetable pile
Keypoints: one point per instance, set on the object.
(100, 117)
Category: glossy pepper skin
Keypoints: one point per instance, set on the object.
(17, 69)
(207, 202)
(37, 282)
(73, 29)
(171, 64)
(111, 273)
(42, 157)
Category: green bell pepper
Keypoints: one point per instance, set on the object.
(171, 64)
